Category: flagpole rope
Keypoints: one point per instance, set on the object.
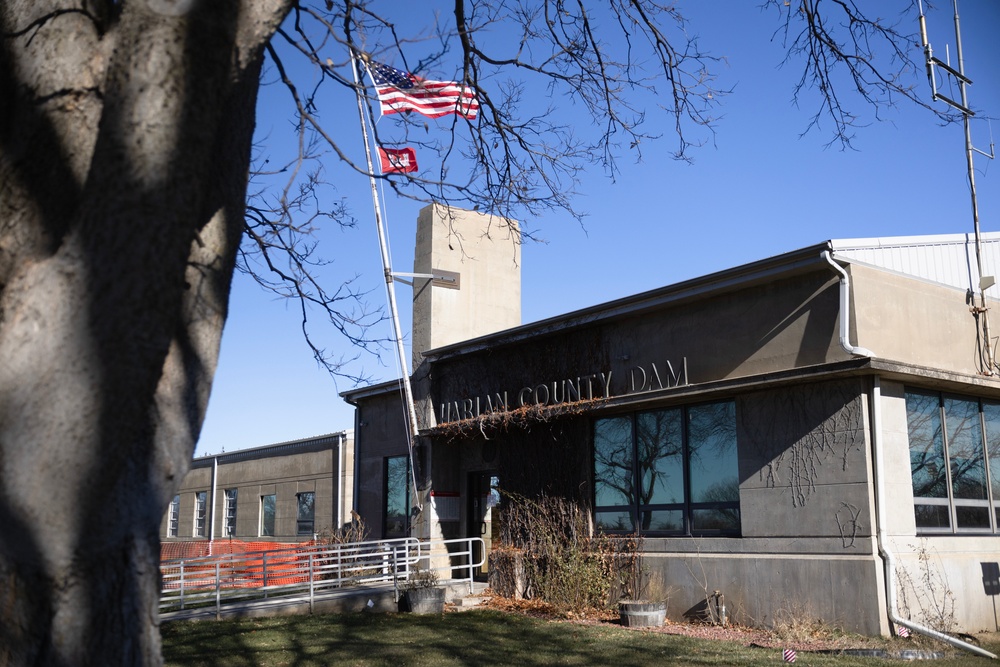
(414, 430)
(368, 120)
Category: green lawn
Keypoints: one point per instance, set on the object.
(468, 638)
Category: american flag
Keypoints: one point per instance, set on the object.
(400, 91)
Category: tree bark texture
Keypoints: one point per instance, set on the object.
(125, 136)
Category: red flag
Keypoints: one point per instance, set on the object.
(400, 91)
(397, 161)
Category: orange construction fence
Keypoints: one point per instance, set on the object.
(283, 565)
(204, 548)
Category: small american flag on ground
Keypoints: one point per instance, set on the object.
(400, 91)
(902, 631)
(788, 655)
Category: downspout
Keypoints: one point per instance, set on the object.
(356, 486)
(339, 522)
(211, 503)
(887, 558)
(845, 309)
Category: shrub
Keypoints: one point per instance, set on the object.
(549, 551)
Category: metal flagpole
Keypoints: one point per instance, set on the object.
(958, 76)
(387, 268)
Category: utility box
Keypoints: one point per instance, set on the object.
(991, 578)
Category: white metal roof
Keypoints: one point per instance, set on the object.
(948, 259)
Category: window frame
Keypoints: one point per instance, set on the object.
(404, 530)
(949, 502)
(637, 513)
(305, 526)
(229, 509)
(200, 514)
(262, 528)
(173, 517)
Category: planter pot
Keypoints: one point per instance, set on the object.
(642, 614)
(422, 601)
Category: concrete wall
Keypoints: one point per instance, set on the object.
(805, 470)
(939, 581)
(381, 432)
(763, 329)
(768, 589)
(915, 321)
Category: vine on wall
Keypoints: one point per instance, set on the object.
(794, 433)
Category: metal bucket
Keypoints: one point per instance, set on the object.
(637, 614)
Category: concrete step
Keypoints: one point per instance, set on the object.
(468, 601)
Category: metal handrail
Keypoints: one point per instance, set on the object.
(232, 579)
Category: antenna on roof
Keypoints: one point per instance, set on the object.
(956, 77)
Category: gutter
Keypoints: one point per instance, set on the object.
(845, 308)
(883, 550)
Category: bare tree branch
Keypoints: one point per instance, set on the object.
(625, 65)
(843, 50)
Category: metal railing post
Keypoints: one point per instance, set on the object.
(311, 585)
(395, 574)
(182, 585)
(218, 593)
(263, 561)
(468, 548)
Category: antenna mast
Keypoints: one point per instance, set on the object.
(957, 77)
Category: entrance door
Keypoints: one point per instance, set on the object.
(484, 505)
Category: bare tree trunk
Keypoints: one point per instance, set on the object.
(124, 152)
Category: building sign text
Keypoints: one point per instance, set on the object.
(598, 385)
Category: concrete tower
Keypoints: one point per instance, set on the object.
(480, 255)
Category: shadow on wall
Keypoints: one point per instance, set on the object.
(792, 437)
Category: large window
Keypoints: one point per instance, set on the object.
(229, 512)
(668, 472)
(267, 511)
(306, 514)
(200, 513)
(954, 462)
(173, 517)
(397, 497)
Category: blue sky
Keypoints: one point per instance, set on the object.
(761, 189)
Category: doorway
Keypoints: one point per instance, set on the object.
(484, 516)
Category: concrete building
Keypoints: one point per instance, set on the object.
(812, 434)
(286, 492)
